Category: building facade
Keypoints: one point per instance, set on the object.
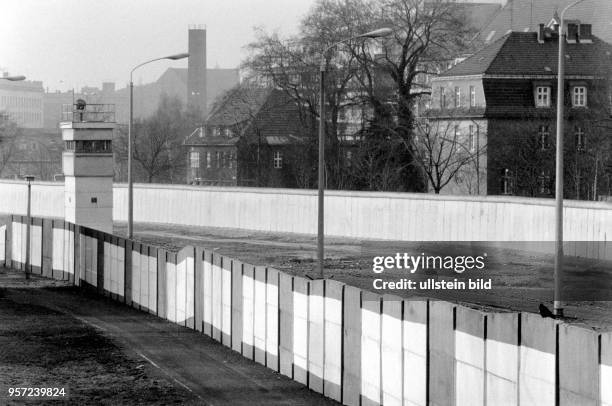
(22, 102)
(501, 105)
(253, 137)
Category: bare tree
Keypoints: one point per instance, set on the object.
(9, 132)
(157, 143)
(443, 154)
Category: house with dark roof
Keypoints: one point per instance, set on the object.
(254, 136)
(501, 103)
(526, 15)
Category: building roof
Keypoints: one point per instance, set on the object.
(520, 53)
(254, 114)
(525, 16)
(238, 105)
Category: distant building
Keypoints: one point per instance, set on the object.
(196, 87)
(526, 15)
(253, 137)
(22, 102)
(504, 98)
(37, 153)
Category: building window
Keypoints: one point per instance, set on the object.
(228, 132)
(194, 159)
(473, 138)
(457, 132)
(278, 159)
(218, 159)
(507, 185)
(348, 156)
(216, 132)
(472, 96)
(579, 95)
(543, 137)
(231, 160)
(544, 183)
(208, 160)
(580, 139)
(543, 96)
(457, 97)
(442, 98)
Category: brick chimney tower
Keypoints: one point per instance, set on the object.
(196, 70)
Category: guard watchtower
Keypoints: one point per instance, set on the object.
(87, 160)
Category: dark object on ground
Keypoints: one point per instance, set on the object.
(545, 312)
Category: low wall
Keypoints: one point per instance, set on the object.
(353, 346)
(364, 215)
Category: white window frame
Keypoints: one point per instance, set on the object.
(472, 96)
(580, 139)
(457, 97)
(208, 160)
(194, 159)
(579, 96)
(278, 159)
(543, 137)
(473, 138)
(542, 96)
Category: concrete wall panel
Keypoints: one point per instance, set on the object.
(414, 344)
(332, 372)
(578, 366)
(316, 335)
(605, 370)
(285, 303)
(301, 288)
(441, 353)
(248, 317)
(502, 366)
(217, 292)
(470, 357)
(537, 361)
(259, 315)
(272, 319)
(371, 306)
(351, 356)
(237, 311)
(391, 348)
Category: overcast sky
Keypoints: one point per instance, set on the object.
(73, 43)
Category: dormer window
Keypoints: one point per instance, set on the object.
(579, 96)
(542, 96)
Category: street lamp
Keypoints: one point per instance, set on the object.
(29, 179)
(130, 184)
(13, 78)
(558, 304)
(381, 32)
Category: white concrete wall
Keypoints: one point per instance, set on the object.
(372, 215)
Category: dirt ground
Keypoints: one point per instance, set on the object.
(42, 347)
(521, 280)
(106, 353)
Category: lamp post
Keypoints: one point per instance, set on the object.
(13, 78)
(29, 180)
(558, 304)
(382, 32)
(130, 183)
